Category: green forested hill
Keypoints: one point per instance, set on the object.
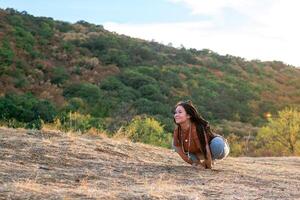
(50, 68)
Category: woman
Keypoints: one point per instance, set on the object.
(193, 140)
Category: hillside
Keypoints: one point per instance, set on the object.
(80, 76)
(83, 67)
(53, 165)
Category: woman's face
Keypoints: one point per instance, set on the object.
(180, 115)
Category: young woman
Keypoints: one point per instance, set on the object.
(193, 140)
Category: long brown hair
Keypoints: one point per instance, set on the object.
(202, 126)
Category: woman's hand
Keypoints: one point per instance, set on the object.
(189, 161)
(208, 164)
(203, 164)
(197, 164)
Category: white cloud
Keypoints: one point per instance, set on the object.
(271, 31)
(164, 32)
(214, 7)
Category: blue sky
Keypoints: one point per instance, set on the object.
(101, 11)
(256, 29)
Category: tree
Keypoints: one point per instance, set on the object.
(282, 133)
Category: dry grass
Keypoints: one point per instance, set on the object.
(51, 165)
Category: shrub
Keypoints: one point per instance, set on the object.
(135, 79)
(25, 40)
(16, 20)
(46, 30)
(145, 106)
(26, 109)
(147, 130)
(89, 92)
(75, 104)
(59, 75)
(111, 83)
(281, 134)
(6, 55)
(74, 121)
(117, 57)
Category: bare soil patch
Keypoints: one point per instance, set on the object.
(52, 165)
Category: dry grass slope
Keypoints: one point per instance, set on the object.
(51, 165)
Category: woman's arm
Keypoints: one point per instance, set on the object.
(184, 156)
(179, 150)
(208, 161)
(202, 161)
